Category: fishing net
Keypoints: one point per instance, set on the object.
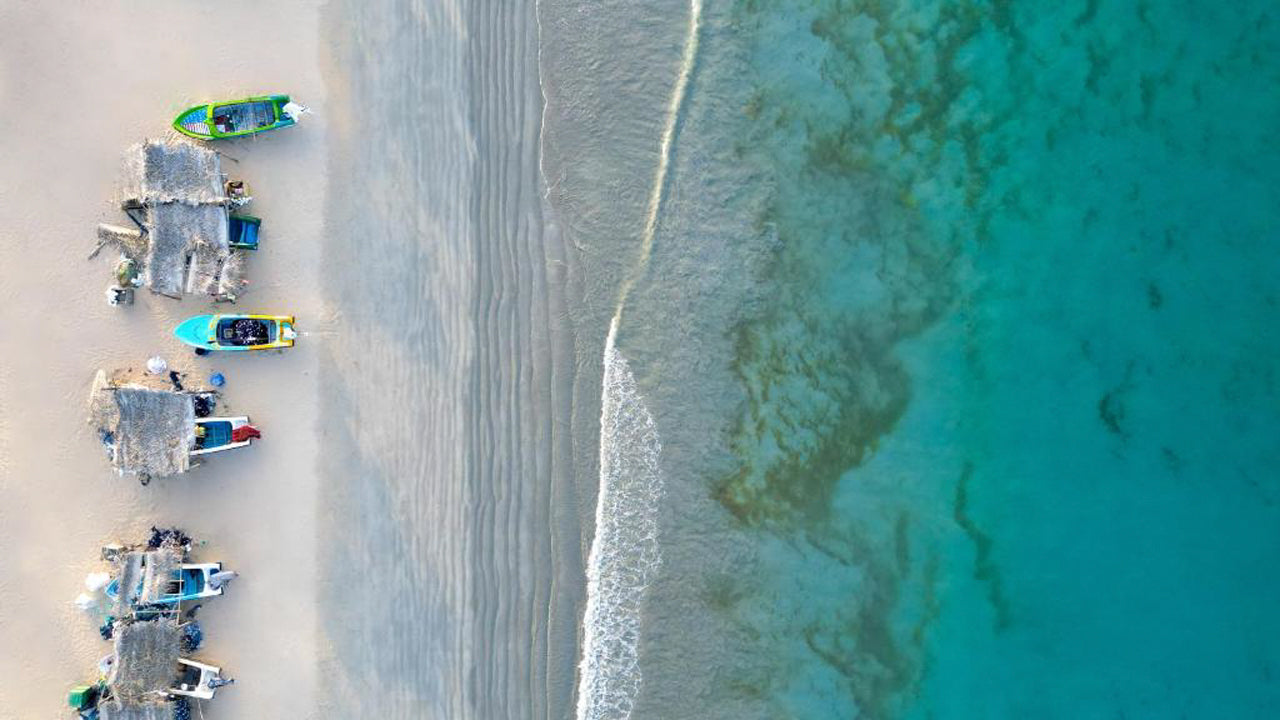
(178, 193)
(145, 662)
(145, 577)
(188, 247)
(147, 431)
(161, 172)
(166, 711)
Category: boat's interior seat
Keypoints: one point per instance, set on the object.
(242, 332)
(188, 677)
(244, 116)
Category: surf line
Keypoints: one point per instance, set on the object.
(625, 554)
(666, 148)
(624, 551)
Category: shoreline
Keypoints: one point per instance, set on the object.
(454, 576)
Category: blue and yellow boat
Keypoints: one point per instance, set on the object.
(236, 333)
(215, 121)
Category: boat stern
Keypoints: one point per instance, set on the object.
(208, 588)
(287, 332)
(244, 432)
(217, 434)
(287, 112)
(197, 680)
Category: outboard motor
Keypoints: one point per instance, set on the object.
(220, 578)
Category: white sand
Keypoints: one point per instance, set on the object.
(76, 88)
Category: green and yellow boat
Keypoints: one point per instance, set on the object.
(216, 121)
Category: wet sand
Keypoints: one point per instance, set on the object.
(453, 575)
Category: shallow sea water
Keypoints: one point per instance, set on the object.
(959, 332)
(943, 382)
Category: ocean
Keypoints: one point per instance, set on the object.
(804, 359)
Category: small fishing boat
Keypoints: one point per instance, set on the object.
(190, 581)
(191, 679)
(223, 433)
(237, 332)
(253, 115)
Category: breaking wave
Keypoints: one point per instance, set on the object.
(671, 127)
(625, 554)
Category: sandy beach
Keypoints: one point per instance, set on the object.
(407, 530)
(453, 572)
(79, 86)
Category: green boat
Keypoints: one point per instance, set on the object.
(214, 121)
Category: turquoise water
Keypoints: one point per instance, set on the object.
(959, 331)
(804, 359)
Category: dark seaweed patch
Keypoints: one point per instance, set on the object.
(984, 568)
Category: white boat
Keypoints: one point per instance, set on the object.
(187, 582)
(216, 434)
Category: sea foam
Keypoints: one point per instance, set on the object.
(625, 554)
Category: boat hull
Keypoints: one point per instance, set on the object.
(238, 118)
(194, 585)
(220, 434)
(201, 332)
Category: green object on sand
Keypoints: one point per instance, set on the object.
(126, 273)
(236, 118)
(81, 697)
